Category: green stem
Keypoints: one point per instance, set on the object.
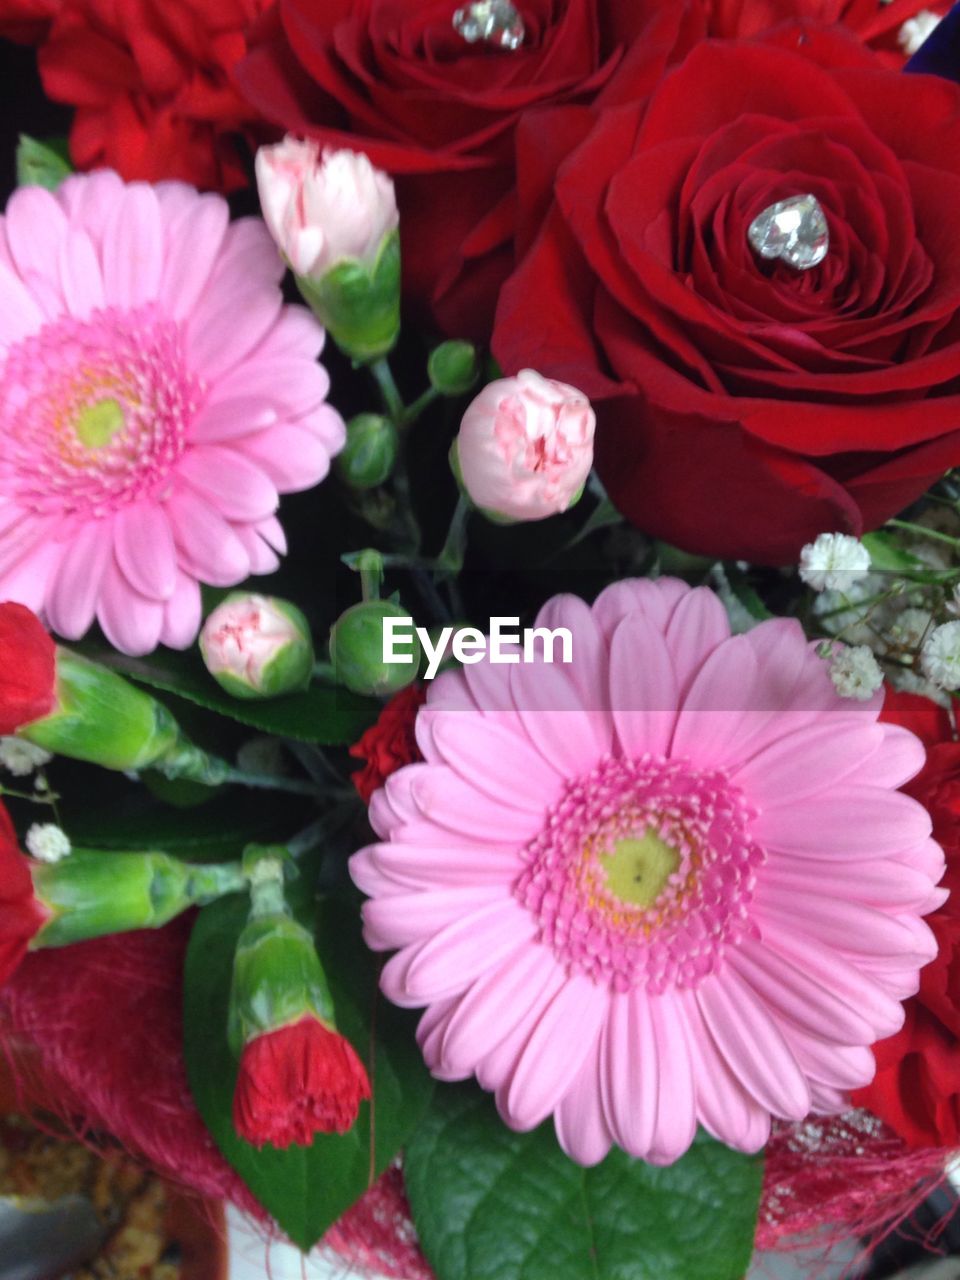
(325, 672)
(392, 399)
(419, 406)
(450, 559)
(269, 782)
(933, 535)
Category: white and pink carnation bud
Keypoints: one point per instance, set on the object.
(525, 447)
(257, 646)
(323, 208)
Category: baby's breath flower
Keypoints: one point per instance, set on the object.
(21, 758)
(855, 672)
(940, 658)
(834, 562)
(47, 842)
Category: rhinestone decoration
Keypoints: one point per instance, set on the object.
(496, 21)
(795, 230)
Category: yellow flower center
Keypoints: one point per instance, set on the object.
(638, 869)
(99, 423)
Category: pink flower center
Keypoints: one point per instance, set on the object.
(643, 873)
(95, 412)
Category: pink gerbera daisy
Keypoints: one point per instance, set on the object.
(155, 398)
(670, 882)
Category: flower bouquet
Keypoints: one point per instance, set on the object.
(481, 616)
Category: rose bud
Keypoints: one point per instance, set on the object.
(334, 218)
(390, 743)
(368, 457)
(257, 646)
(359, 640)
(21, 912)
(297, 1075)
(525, 447)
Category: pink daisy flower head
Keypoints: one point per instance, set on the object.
(670, 882)
(156, 397)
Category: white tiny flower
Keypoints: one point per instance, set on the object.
(834, 562)
(906, 680)
(849, 615)
(21, 758)
(855, 672)
(911, 627)
(941, 656)
(915, 31)
(48, 842)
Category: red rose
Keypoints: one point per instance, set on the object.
(916, 1090)
(671, 30)
(21, 915)
(150, 81)
(747, 406)
(398, 82)
(390, 743)
(296, 1081)
(27, 668)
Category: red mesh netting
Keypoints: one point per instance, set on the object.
(98, 1028)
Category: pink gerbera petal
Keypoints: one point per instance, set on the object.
(134, 322)
(710, 890)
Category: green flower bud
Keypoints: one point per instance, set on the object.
(100, 717)
(359, 302)
(93, 893)
(257, 646)
(453, 367)
(368, 457)
(360, 641)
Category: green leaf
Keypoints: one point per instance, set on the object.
(887, 553)
(214, 831)
(305, 1188)
(42, 164)
(490, 1204)
(323, 713)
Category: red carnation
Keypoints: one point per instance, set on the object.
(21, 915)
(390, 743)
(744, 406)
(26, 21)
(27, 668)
(916, 1090)
(295, 1081)
(151, 83)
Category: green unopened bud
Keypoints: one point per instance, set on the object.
(257, 646)
(359, 301)
(370, 653)
(102, 718)
(92, 893)
(453, 368)
(277, 979)
(368, 457)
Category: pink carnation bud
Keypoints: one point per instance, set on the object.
(525, 446)
(257, 646)
(324, 209)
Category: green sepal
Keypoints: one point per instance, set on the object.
(359, 302)
(101, 718)
(277, 980)
(92, 893)
(42, 164)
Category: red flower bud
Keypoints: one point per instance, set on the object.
(27, 668)
(295, 1081)
(21, 915)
